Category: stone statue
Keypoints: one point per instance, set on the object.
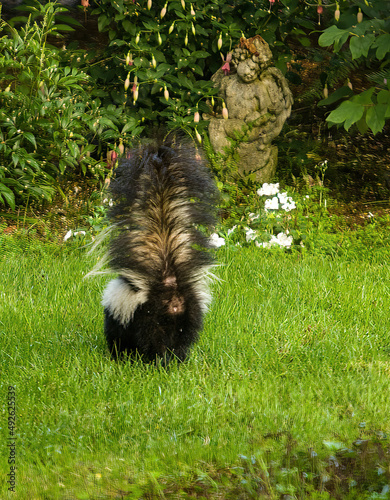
(258, 101)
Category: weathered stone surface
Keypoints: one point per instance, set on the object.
(258, 101)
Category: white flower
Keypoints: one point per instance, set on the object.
(79, 232)
(271, 204)
(216, 241)
(68, 235)
(286, 201)
(282, 240)
(268, 189)
(229, 232)
(250, 234)
(289, 206)
(283, 198)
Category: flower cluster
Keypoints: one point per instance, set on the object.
(280, 201)
(281, 240)
(269, 227)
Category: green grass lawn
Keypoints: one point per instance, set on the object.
(293, 364)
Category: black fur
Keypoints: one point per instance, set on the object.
(161, 194)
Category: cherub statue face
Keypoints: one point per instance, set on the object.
(248, 70)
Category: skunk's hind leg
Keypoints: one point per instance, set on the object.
(119, 340)
(120, 301)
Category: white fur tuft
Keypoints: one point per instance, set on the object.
(202, 281)
(122, 301)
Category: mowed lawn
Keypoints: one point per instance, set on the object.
(295, 351)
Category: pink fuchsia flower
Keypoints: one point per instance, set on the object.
(225, 113)
(219, 43)
(198, 136)
(114, 156)
(127, 81)
(320, 10)
(129, 59)
(337, 12)
(163, 10)
(226, 66)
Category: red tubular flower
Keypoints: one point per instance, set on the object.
(226, 66)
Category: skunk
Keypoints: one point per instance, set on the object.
(162, 194)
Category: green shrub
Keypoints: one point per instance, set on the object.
(49, 125)
(364, 29)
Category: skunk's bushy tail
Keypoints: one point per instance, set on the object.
(162, 194)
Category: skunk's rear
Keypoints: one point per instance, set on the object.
(162, 194)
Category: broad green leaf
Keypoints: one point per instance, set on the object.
(103, 22)
(364, 97)
(333, 35)
(376, 118)
(383, 45)
(348, 112)
(8, 195)
(63, 27)
(200, 54)
(150, 25)
(360, 45)
(384, 97)
(30, 137)
(335, 96)
(304, 41)
(362, 125)
(185, 81)
(73, 148)
(108, 123)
